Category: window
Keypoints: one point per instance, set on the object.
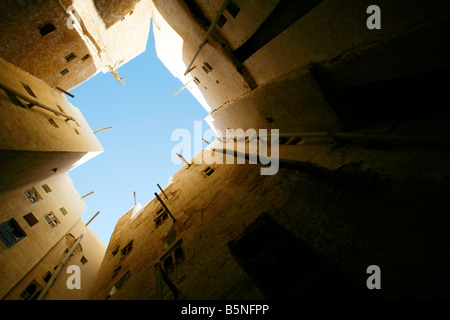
(70, 57)
(172, 259)
(197, 82)
(161, 218)
(64, 72)
(171, 237)
(11, 233)
(32, 195)
(30, 219)
(208, 171)
(53, 123)
(47, 277)
(76, 131)
(51, 219)
(127, 249)
(63, 211)
(270, 120)
(116, 271)
(283, 140)
(168, 264)
(65, 252)
(233, 9)
(119, 284)
(178, 254)
(115, 251)
(46, 28)
(266, 248)
(294, 140)
(46, 188)
(207, 66)
(83, 260)
(32, 291)
(122, 280)
(222, 21)
(28, 89)
(84, 58)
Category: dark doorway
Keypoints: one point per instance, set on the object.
(286, 268)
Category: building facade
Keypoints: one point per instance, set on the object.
(309, 231)
(42, 133)
(40, 224)
(43, 137)
(65, 43)
(356, 92)
(47, 48)
(317, 61)
(363, 156)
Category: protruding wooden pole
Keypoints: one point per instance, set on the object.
(102, 129)
(164, 206)
(87, 194)
(184, 160)
(162, 191)
(66, 92)
(92, 218)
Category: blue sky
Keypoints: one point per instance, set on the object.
(143, 114)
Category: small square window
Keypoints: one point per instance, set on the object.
(294, 140)
(197, 82)
(32, 195)
(161, 218)
(84, 58)
(283, 140)
(51, 219)
(122, 280)
(11, 233)
(205, 69)
(46, 28)
(70, 57)
(63, 210)
(53, 123)
(115, 251)
(30, 219)
(207, 66)
(127, 249)
(116, 271)
(64, 71)
(270, 120)
(83, 260)
(208, 171)
(170, 239)
(222, 21)
(32, 291)
(28, 89)
(233, 9)
(168, 264)
(47, 277)
(46, 188)
(172, 259)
